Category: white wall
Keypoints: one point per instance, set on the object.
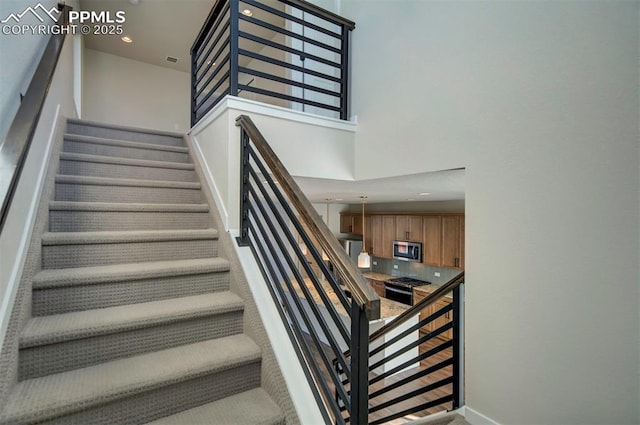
(308, 146)
(127, 92)
(539, 102)
(19, 57)
(17, 229)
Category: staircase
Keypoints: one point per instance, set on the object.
(133, 316)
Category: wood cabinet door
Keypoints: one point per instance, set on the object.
(377, 286)
(408, 228)
(367, 234)
(432, 240)
(346, 223)
(444, 319)
(357, 225)
(451, 248)
(388, 235)
(376, 236)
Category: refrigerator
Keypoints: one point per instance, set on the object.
(353, 248)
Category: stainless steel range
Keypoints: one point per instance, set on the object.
(400, 289)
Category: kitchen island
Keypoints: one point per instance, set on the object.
(388, 311)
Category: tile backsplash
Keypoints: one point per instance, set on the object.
(413, 269)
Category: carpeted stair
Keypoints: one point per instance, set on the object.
(133, 320)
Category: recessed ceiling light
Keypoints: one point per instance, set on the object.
(247, 12)
(424, 193)
(410, 199)
(339, 199)
(127, 39)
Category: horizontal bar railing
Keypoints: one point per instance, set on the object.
(15, 147)
(326, 309)
(413, 371)
(297, 52)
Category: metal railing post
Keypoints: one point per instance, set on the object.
(243, 239)
(344, 73)
(456, 348)
(359, 365)
(234, 39)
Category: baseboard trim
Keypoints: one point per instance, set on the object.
(476, 418)
(11, 291)
(192, 142)
(299, 390)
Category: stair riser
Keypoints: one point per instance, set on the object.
(97, 169)
(130, 136)
(168, 400)
(124, 151)
(96, 193)
(93, 221)
(85, 255)
(55, 358)
(87, 297)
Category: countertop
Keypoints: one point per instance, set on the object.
(427, 289)
(388, 308)
(377, 276)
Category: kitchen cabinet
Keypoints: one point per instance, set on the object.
(377, 286)
(347, 223)
(452, 242)
(388, 236)
(419, 295)
(408, 228)
(432, 240)
(375, 237)
(383, 232)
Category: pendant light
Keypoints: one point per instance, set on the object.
(364, 260)
(324, 254)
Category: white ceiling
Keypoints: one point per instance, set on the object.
(161, 28)
(442, 186)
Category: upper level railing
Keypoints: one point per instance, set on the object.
(295, 53)
(15, 147)
(326, 312)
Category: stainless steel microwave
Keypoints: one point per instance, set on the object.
(407, 251)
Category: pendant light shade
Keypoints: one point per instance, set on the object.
(364, 260)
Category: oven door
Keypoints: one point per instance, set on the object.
(398, 293)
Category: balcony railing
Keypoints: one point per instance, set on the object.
(287, 53)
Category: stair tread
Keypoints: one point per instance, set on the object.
(151, 131)
(85, 157)
(125, 206)
(83, 324)
(123, 236)
(118, 272)
(124, 143)
(115, 181)
(253, 407)
(55, 395)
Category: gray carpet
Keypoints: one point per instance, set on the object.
(134, 316)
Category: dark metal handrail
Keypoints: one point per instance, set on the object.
(223, 51)
(417, 308)
(274, 216)
(362, 293)
(14, 149)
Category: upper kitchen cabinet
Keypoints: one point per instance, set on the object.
(408, 228)
(352, 224)
(383, 232)
(432, 240)
(388, 235)
(453, 242)
(347, 223)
